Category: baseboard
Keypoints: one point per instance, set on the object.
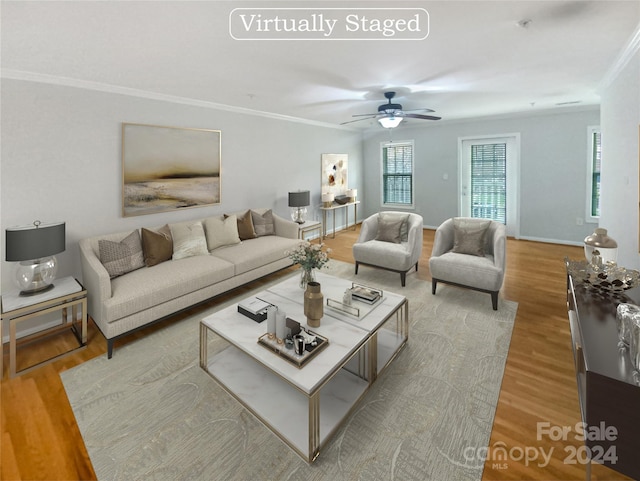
(551, 241)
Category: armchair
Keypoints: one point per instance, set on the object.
(470, 253)
(391, 241)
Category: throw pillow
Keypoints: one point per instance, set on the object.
(221, 231)
(157, 246)
(390, 228)
(188, 240)
(263, 223)
(470, 236)
(245, 226)
(121, 257)
(404, 229)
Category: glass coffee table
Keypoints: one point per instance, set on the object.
(304, 406)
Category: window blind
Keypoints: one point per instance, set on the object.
(397, 174)
(489, 181)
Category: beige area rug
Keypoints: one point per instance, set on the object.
(150, 413)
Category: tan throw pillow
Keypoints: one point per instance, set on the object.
(263, 223)
(157, 245)
(245, 226)
(188, 240)
(121, 257)
(470, 236)
(221, 231)
(390, 227)
(404, 229)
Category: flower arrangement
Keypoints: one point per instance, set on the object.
(309, 256)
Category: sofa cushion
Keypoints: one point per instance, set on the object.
(221, 231)
(188, 240)
(145, 288)
(390, 227)
(157, 246)
(245, 226)
(469, 236)
(383, 254)
(254, 253)
(263, 223)
(473, 271)
(122, 257)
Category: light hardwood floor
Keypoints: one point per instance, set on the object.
(41, 441)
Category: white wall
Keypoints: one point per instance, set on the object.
(620, 157)
(553, 169)
(61, 160)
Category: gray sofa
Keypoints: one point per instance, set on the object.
(125, 303)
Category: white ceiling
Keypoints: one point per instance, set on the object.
(476, 60)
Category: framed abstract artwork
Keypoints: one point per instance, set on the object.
(334, 173)
(169, 168)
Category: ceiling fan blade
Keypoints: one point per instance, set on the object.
(424, 117)
(357, 120)
(368, 115)
(415, 110)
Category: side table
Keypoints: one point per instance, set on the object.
(66, 293)
(308, 227)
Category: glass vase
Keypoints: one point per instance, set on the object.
(306, 276)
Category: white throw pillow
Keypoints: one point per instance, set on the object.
(188, 240)
(221, 231)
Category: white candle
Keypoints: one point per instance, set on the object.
(281, 325)
(271, 321)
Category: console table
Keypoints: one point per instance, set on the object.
(333, 209)
(608, 388)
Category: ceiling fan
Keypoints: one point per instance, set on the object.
(390, 115)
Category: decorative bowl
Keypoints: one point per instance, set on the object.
(608, 278)
(341, 199)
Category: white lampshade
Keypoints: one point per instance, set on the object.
(328, 197)
(352, 193)
(390, 122)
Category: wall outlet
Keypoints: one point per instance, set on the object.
(579, 221)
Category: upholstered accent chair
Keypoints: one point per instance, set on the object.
(470, 253)
(390, 240)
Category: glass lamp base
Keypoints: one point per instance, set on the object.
(299, 215)
(36, 276)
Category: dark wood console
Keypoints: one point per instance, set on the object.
(608, 387)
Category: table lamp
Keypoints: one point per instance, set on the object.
(34, 248)
(298, 201)
(327, 199)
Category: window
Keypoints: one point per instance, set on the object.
(397, 173)
(489, 181)
(594, 160)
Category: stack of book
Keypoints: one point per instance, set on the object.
(365, 294)
(254, 308)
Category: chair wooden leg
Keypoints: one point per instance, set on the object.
(403, 278)
(434, 283)
(357, 267)
(494, 300)
(416, 267)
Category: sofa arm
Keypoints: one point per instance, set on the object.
(95, 279)
(285, 228)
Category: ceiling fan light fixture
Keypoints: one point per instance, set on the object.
(390, 122)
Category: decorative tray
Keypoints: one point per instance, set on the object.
(360, 306)
(289, 354)
(609, 278)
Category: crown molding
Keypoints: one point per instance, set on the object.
(119, 90)
(622, 60)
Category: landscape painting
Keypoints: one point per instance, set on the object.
(169, 168)
(334, 173)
